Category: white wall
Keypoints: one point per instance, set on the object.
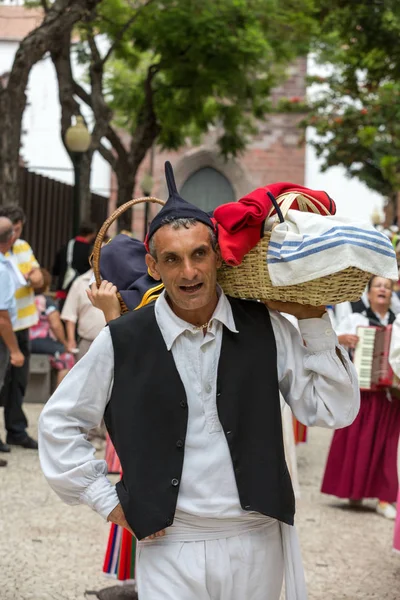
(353, 199)
(42, 148)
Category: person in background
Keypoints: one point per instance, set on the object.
(72, 260)
(362, 458)
(80, 316)
(9, 349)
(48, 335)
(394, 359)
(26, 267)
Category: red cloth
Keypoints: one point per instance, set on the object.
(362, 458)
(240, 223)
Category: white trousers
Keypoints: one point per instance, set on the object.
(247, 566)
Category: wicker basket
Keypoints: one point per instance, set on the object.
(251, 278)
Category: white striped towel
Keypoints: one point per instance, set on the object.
(308, 246)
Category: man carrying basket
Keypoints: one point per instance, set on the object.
(189, 390)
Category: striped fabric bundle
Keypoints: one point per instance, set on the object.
(120, 555)
(309, 246)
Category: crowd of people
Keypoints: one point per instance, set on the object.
(205, 493)
(34, 319)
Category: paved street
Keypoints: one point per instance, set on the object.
(50, 551)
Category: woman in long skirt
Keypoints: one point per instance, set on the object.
(362, 458)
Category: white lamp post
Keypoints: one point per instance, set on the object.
(77, 140)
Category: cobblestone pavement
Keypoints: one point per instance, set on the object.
(50, 551)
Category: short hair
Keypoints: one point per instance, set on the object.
(6, 234)
(13, 212)
(178, 224)
(87, 229)
(374, 277)
(46, 282)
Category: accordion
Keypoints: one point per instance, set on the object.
(371, 358)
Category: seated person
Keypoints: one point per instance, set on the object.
(48, 336)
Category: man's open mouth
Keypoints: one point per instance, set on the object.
(191, 289)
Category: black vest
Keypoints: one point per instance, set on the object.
(147, 417)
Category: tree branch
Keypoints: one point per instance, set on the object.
(116, 143)
(119, 36)
(45, 6)
(82, 94)
(148, 128)
(62, 63)
(108, 156)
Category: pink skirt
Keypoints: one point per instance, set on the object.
(362, 458)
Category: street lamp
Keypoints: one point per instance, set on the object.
(147, 186)
(77, 141)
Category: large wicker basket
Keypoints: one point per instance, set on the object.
(251, 278)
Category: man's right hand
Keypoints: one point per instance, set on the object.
(105, 298)
(17, 359)
(349, 340)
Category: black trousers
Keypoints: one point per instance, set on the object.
(13, 392)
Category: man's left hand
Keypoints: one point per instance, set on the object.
(300, 311)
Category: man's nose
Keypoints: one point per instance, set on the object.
(189, 270)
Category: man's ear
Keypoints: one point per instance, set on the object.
(152, 267)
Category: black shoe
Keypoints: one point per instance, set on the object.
(3, 463)
(27, 442)
(4, 447)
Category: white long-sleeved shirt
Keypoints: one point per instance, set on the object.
(320, 388)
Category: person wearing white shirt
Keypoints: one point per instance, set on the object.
(362, 458)
(80, 315)
(189, 389)
(9, 349)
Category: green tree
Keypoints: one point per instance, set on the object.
(355, 110)
(178, 67)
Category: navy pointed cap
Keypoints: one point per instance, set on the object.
(176, 208)
(122, 261)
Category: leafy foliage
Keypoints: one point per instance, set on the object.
(213, 63)
(356, 109)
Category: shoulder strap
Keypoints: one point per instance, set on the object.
(358, 307)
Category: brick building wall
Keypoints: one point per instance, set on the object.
(275, 153)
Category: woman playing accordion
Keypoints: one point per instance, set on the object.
(362, 458)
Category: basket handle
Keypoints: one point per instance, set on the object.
(305, 201)
(276, 206)
(103, 230)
